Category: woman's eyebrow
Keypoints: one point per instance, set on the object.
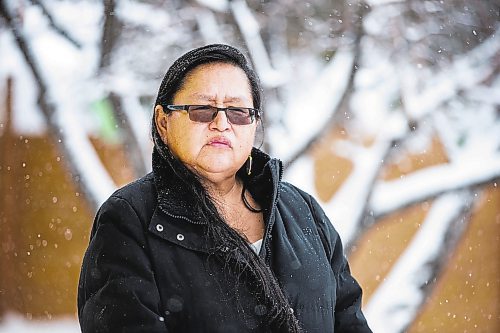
(202, 96)
(213, 98)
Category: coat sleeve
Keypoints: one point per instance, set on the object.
(117, 291)
(348, 314)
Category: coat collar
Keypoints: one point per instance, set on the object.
(175, 219)
(175, 200)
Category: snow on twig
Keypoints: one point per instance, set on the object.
(396, 301)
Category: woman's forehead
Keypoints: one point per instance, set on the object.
(217, 69)
(211, 82)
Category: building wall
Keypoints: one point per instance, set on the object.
(45, 224)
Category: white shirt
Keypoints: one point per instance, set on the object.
(256, 246)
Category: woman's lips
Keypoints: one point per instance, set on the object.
(220, 142)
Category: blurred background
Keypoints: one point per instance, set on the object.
(387, 111)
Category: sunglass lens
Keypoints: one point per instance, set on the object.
(207, 113)
(239, 116)
(201, 113)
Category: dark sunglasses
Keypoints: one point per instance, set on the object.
(207, 113)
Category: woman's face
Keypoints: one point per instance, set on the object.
(214, 150)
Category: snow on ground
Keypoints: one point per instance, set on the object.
(17, 324)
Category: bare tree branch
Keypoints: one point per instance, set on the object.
(111, 31)
(56, 26)
(130, 141)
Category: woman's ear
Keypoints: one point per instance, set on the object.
(161, 122)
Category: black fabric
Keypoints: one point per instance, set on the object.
(148, 267)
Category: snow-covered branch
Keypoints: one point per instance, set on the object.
(215, 5)
(397, 300)
(84, 164)
(208, 26)
(484, 95)
(465, 73)
(55, 25)
(321, 99)
(349, 203)
(250, 30)
(361, 194)
(389, 196)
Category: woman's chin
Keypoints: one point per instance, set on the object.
(218, 166)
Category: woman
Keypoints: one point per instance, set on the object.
(212, 240)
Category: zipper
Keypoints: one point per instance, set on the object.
(183, 218)
(273, 207)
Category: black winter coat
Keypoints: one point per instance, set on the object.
(147, 267)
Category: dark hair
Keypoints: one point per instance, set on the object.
(214, 53)
(230, 247)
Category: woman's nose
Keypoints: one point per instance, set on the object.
(220, 122)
